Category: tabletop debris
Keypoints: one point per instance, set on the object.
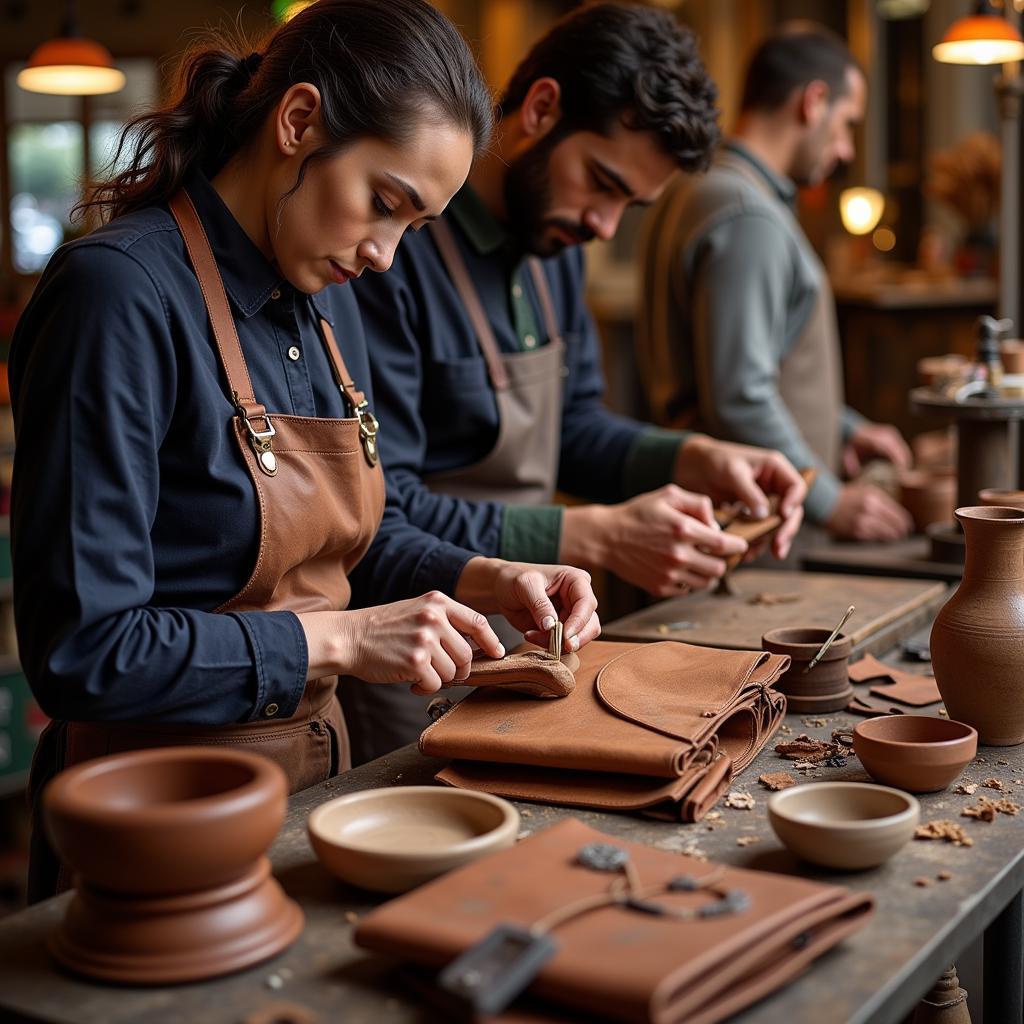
(740, 801)
(777, 780)
(950, 831)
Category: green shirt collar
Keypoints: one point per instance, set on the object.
(782, 186)
(481, 227)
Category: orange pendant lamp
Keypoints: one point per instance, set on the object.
(982, 38)
(71, 65)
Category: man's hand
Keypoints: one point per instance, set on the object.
(738, 472)
(666, 541)
(875, 441)
(866, 513)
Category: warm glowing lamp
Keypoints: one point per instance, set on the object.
(861, 209)
(70, 65)
(980, 39)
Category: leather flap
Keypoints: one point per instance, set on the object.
(680, 690)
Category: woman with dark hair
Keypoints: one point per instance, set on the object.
(197, 468)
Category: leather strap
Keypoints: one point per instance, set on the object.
(540, 282)
(458, 272)
(204, 263)
(341, 374)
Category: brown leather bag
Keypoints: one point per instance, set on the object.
(620, 962)
(659, 728)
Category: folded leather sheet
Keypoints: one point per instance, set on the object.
(616, 962)
(656, 727)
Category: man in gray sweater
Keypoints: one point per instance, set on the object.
(737, 332)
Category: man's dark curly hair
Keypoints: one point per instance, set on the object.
(626, 63)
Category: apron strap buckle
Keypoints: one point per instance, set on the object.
(262, 441)
(369, 426)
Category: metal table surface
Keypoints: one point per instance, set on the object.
(876, 976)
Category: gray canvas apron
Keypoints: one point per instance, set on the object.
(810, 375)
(521, 469)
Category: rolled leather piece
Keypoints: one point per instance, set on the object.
(527, 670)
(615, 962)
(659, 728)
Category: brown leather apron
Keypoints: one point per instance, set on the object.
(320, 491)
(521, 469)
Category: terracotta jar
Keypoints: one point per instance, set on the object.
(827, 686)
(168, 847)
(995, 496)
(929, 498)
(978, 636)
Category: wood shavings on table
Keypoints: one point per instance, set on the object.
(967, 788)
(777, 780)
(949, 831)
(996, 784)
(786, 730)
(815, 723)
(986, 809)
(747, 840)
(739, 801)
(769, 598)
(922, 882)
(806, 749)
(944, 876)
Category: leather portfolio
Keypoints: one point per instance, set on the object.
(659, 728)
(692, 942)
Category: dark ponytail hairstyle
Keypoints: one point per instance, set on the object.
(381, 67)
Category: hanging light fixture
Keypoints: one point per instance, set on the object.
(980, 38)
(861, 209)
(71, 65)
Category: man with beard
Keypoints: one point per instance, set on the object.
(485, 359)
(737, 331)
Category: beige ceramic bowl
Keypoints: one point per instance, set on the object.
(914, 752)
(846, 825)
(391, 840)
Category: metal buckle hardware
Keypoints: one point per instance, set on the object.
(368, 423)
(262, 441)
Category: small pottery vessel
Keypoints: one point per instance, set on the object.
(931, 370)
(168, 849)
(1011, 354)
(846, 825)
(995, 497)
(391, 840)
(827, 686)
(977, 640)
(929, 498)
(914, 752)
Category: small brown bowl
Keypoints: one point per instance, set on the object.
(846, 825)
(165, 821)
(827, 686)
(914, 752)
(994, 497)
(1011, 354)
(391, 840)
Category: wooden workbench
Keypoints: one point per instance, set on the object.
(876, 976)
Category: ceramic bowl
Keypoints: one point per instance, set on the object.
(165, 821)
(914, 752)
(827, 686)
(391, 840)
(846, 825)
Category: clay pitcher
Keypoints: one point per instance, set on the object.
(978, 636)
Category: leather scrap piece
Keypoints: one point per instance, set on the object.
(530, 672)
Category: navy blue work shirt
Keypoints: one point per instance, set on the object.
(439, 411)
(133, 515)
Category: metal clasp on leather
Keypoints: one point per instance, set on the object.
(368, 428)
(262, 442)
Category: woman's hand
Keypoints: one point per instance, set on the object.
(425, 641)
(532, 597)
